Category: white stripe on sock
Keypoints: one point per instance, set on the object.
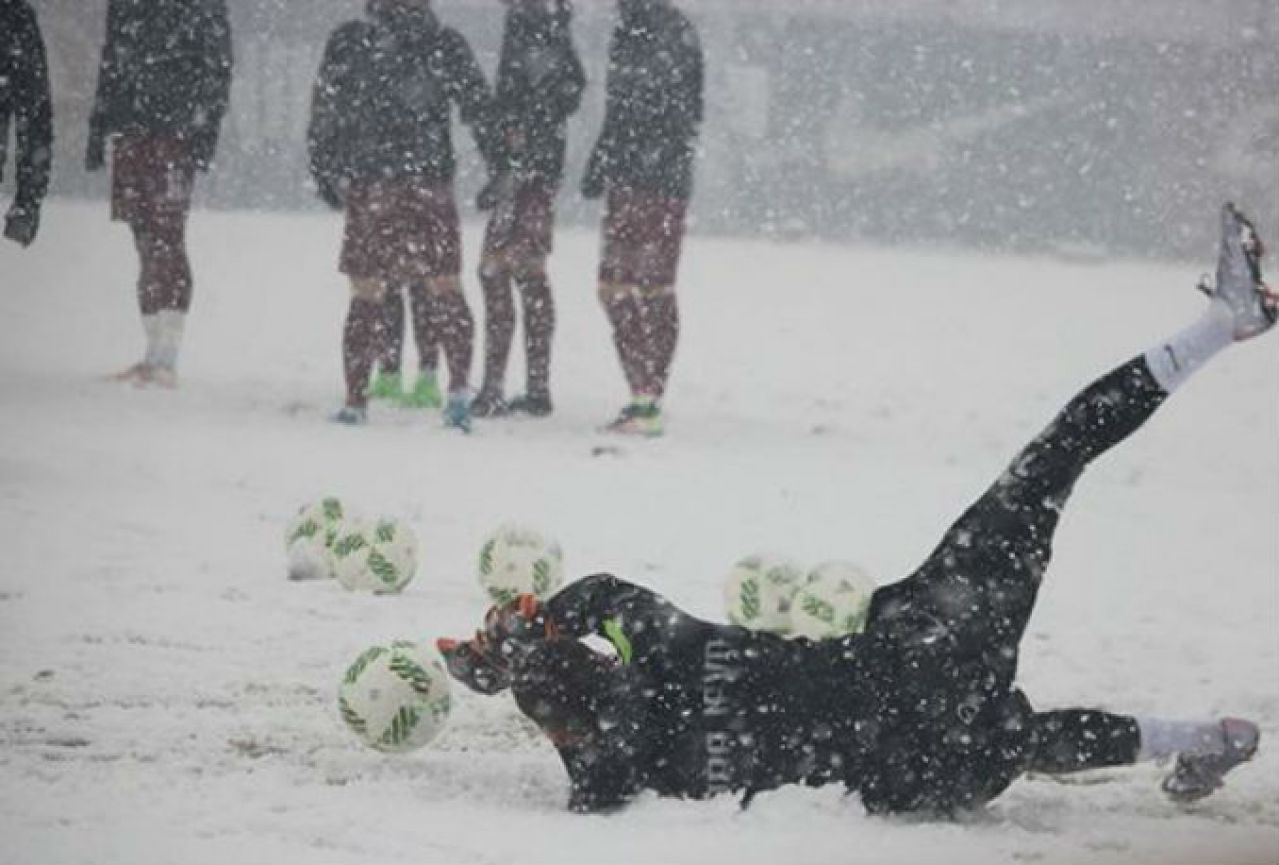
(1174, 361)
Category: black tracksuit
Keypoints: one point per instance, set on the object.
(919, 713)
(653, 104)
(381, 102)
(24, 99)
(539, 85)
(165, 68)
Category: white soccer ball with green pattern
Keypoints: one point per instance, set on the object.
(374, 555)
(832, 602)
(518, 560)
(758, 592)
(309, 536)
(396, 697)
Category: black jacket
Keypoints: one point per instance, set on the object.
(539, 85)
(166, 67)
(381, 102)
(653, 103)
(24, 97)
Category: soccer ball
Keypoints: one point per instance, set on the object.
(396, 697)
(374, 556)
(309, 537)
(520, 560)
(758, 592)
(832, 602)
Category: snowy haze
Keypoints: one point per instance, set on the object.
(1092, 128)
(167, 696)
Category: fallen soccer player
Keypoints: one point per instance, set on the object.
(918, 713)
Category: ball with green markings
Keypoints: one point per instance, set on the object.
(374, 555)
(395, 698)
(309, 536)
(519, 559)
(833, 601)
(758, 592)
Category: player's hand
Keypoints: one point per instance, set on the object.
(96, 153)
(203, 147)
(22, 223)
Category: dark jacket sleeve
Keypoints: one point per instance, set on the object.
(217, 61)
(564, 89)
(100, 121)
(605, 149)
(33, 114)
(466, 87)
(330, 126)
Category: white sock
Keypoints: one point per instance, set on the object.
(151, 326)
(171, 327)
(1162, 738)
(1174, 361)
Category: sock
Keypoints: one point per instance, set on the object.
(626, 315)
(539, 330)
(499, 327)
(1173, 362)
(1162, 738)
(661, 315)
(171, 326)
(151, 326)
(359, 348)
(452, 321)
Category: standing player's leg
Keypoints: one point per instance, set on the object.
(426, 388)
(499, 326)
(536, 207)
(387, 382)
(361, 335)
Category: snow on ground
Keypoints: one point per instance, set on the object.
(167, 696)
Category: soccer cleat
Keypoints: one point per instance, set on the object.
(1197, 775)
(425, 392)
(350, 415)
(532, 404)
(489, 403)
(457, 412)
(1254, 305)
(474, 664)
(640, 418)
(386, 385)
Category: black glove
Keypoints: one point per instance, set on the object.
(499, 188)
(96, 154)
(593, 179)
(204, 145)
(330, 193)
(22, 223)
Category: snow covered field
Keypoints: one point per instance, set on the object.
(167, 696)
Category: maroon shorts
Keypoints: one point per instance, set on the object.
(521, 227)
(643, 237)
(152, 175)
(401, 228)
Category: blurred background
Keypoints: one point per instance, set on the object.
(1083, 128)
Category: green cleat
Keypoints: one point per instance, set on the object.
(425, 392)
(386, 385)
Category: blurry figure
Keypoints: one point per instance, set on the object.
(539, 85)
(643, 163)
(163, 87)
(381, 148)
(24, 96)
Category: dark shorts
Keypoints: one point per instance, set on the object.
(643, 238)
(521, 228)
(152, 176)
(401, 228)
